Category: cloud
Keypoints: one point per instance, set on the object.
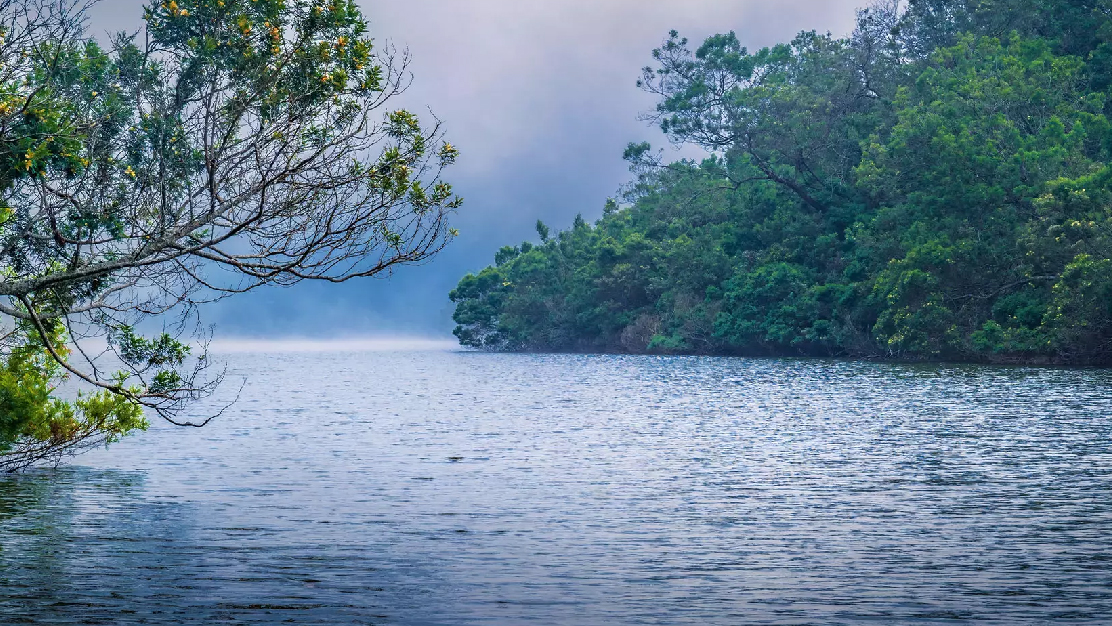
(514, 76)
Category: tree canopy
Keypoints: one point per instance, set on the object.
(934, 186)
(230, 144)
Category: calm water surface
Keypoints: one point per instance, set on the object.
(461, 488)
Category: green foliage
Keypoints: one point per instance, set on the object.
(43, 425)
(773, 305)
(936, 187)
(26, 385)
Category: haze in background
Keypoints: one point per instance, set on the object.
(541, 99)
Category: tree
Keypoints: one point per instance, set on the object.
(1076, 27)
(231, 144)
(791, 113)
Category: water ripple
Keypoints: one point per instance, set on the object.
(462, 488)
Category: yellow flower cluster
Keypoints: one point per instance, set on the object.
(174, 10)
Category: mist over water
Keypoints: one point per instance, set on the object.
(447, 487)
(351, 344)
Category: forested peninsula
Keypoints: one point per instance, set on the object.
(935, 186)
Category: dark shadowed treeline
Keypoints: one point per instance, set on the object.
(936, 186)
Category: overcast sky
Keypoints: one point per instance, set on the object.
(540, 97)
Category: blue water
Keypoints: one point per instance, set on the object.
(464, 488)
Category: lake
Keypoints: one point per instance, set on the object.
(446, 487)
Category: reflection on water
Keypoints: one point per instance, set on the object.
(459, 488)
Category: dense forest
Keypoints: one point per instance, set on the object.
(935, 186)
